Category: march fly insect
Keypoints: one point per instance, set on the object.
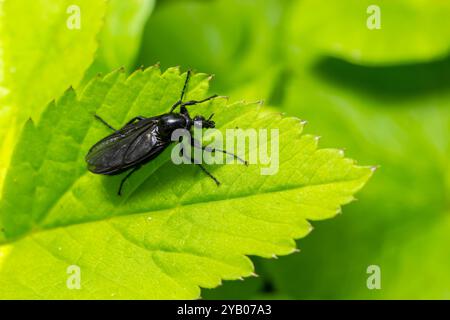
(142, 139)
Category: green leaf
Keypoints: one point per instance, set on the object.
(411, 30)
(120, 37)
(401, 121)
(174, 230)
(233, 51)
(40, 57)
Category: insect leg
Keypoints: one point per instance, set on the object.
(104, 122)
(208, 174)
(119, 192)
(175, 105)
(196, 144)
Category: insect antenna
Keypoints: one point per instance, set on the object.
(188, 76)
(180, 102)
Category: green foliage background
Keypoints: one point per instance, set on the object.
(384, 95)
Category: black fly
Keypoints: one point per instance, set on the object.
(142, 139)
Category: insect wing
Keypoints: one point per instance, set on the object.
(124, 148)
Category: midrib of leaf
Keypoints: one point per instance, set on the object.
(125, 198)
(169, 209)
(223, 197)
(141, 247)
(152, 251)
(168, 250)
(137, 245)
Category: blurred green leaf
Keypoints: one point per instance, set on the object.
(174, 230)
(235, 290)
(411, 30)
(230, 38)
(40, 57)
(398, 117)
(120, 37)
